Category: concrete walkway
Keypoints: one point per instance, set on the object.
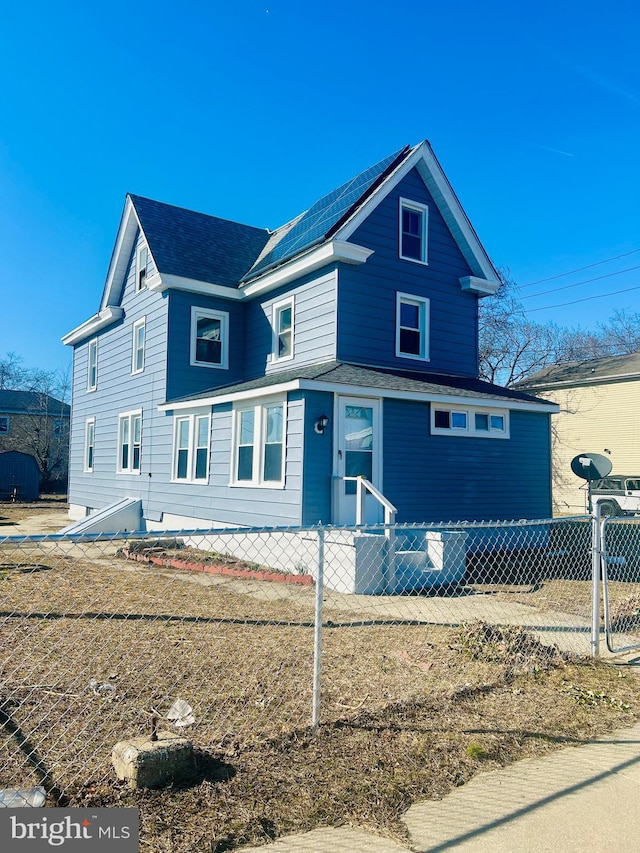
(578, 798)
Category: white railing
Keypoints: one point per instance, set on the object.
(362, 487)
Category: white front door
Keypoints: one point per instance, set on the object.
(358, 452)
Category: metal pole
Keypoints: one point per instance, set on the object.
(317, 633)
(596, 554)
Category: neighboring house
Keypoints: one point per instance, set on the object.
(598, 402)
(37, 424)
(235, 376)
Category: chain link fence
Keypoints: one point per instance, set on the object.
(621, 582)
(267, 631)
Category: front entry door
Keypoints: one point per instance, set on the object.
(358, 453)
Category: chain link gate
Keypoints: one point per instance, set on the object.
(621, 582)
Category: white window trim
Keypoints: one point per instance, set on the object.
(191, 418)
(139, 324)
(92, 348)
(424, 306)
(141, 248)
(130, 416)
(258, 406)
(223, 316)
(7, 420)
(276, 308)
(90, 422)
(424, 210)
(471, 431)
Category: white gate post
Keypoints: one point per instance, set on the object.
(596, 559)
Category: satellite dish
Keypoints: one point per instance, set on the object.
(591, 466)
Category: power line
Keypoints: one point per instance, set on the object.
(584, 299)
(580, 269)
(578, 283)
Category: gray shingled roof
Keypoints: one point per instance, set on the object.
(33, 403)
(582, 372)
(198, 246)
(343, 373)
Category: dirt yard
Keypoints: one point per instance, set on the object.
(91, 642)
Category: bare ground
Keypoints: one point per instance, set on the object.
(409, 711)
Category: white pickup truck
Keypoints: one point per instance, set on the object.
(617, 495)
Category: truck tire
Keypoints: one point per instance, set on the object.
(609, 509)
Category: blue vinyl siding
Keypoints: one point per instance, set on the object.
(444, 478)
(183, 378)
(318, 460)
(367, 293)
(119, 391)
(314, 325)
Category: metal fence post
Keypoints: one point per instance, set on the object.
(596, 556)
(317, 633)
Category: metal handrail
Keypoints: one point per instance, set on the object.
(363, 485)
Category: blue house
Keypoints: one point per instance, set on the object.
(236, 376)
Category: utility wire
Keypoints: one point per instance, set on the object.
(580, 269)
(578, 283)
(584, 299)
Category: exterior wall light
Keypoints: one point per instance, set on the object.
(321, 424)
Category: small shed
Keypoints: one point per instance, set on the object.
(19, 476)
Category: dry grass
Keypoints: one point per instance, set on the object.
(409, 710)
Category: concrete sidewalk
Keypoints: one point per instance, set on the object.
(578, 798)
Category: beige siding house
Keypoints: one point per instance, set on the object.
(599, 413)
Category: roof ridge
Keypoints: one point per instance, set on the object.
(134, 196)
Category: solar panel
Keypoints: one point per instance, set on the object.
(323, 215)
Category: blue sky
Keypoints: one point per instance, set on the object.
(252, 110)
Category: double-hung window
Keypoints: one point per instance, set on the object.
(137, 355)
(283, 330)
(412, 327)
(89, 443)
(142, 263)
(259, 444)
(92, 365)
(129, 442)
(191, 448)
(4, 424)
(209, 338)
(413, 231)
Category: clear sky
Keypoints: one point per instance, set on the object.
(253, 109)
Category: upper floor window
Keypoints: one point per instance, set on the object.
(4, 424)
(89, 443)
(137, 355)
(142, 263)
(92, 365)
(413, 231)
(283, 330)
(209, 338)
(412, 327)
(129, 442)
(469, 421)
(259, 444)
(191, 448)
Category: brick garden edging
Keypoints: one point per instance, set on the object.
(217, 569)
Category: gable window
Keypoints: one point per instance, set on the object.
(142, 263)
(129, 442)
(89, 443)
(259, 442)
(209, 338)
(137, 356)
(191, 448)
(479, 423)
(92, 365)
(412, 327)
(413, 231)
(4, 424)
(283, 330)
